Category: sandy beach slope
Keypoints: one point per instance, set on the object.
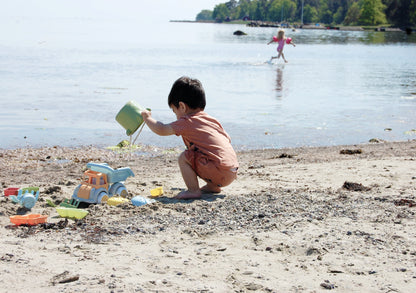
(296, 220)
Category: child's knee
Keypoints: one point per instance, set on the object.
(182, 157)
(187, 158)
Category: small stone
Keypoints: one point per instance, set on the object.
(253, 287)
(312, 250)
(327, 285)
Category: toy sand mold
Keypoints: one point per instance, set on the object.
(131, 119)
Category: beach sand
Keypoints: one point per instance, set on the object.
(296, 220)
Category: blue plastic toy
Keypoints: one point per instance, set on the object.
(26, 197)
(140, 200)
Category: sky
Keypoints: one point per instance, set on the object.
(153, 9)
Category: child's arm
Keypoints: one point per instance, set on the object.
(290, 42)
(273, 40)
(157, 126)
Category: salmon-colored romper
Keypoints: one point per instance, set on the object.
(209, 148)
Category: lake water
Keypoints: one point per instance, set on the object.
(63, 80)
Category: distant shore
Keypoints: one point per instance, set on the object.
(298, 26)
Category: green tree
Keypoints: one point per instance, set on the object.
(324, 13)
(204, 15)
(353, 14)
(282, 10)
(289, 10)
(372, 12)
(401, 12)
(349, 12)
(244, 8)
(231, 5)
(310, 14)
(275, 10)
(412, 18)
(261, 8)
(220, 12)
(339, 15)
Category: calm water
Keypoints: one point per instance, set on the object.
(62, 81)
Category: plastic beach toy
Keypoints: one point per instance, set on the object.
(158, 191)
(31, 219)
(70, 203)
(130, 117)
(116, 200)
(140, 200)
(26, 197)
(100, 182)
(71, 213)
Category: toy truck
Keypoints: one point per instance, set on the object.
(101, 182)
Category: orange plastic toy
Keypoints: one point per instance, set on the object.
(31, 219)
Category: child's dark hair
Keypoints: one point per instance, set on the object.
(188, 91)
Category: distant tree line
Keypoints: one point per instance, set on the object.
(400, 13)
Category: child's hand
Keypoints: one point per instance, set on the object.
(156, 126)
(146, 114)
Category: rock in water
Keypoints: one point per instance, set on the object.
(239, 33)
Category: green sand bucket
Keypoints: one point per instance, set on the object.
(130, 118)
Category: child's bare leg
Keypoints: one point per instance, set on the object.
(190, 178)
(210, 188)
(283, 56)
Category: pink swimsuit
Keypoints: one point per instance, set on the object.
(280, 42)
(281, 45)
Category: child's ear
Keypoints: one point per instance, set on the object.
(182, 106)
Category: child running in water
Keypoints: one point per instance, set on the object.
(209, 154)
(281, 40)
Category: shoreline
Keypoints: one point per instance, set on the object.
(342, 217)
(154, 149)
(257, 23)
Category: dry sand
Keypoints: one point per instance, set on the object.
(296, 220)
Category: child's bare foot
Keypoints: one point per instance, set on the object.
(188, 194)
(210, 189)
